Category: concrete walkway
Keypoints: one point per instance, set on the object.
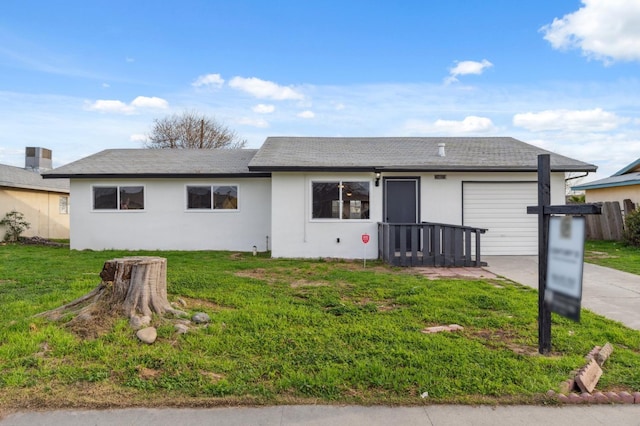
(605, 291)
(432, 415)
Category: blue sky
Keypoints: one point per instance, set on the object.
(82, 76)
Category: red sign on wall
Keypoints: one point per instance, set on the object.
(365, 238)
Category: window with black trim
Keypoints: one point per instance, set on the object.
(212, 197)
(340, 200)
(118, 197)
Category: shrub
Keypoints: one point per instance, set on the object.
(16, 225)
(632, 228)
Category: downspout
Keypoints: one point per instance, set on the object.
(576, 177)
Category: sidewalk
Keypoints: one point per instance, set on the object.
(611, 293)
(433, 415)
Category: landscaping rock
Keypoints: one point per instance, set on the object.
(181, 328)
(441, 328)
(567, 386)
(137, 322)
(147, 335)
(200, 318)
(600, 398)
(587, 398)
(636, 397)
(182, 302)
(574, 398)
(626, 397)
(613, 397)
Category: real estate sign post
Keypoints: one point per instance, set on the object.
(544, 211)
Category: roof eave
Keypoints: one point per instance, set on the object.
(153, 175)
(34, 187)
(605, 185)
(589, 168)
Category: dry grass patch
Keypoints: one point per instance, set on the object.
(600, 255)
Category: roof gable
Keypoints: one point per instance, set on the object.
(633, 167)
(405, 154)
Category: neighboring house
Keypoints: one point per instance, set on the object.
(44, 204)
(624, 184)
(309, 197)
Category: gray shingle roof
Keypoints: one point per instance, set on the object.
(406, 153)
(159, 163)
(615, 180)
(15, 177)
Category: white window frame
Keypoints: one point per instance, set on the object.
(340, 200)
(212, 209)
(63, 206)
(118, 209)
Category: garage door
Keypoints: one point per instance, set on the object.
(501, 207)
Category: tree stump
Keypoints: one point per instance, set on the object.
(134, 287)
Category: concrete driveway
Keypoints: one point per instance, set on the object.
(605, 291)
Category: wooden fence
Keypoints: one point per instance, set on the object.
(610, 224)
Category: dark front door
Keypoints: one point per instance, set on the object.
(401, 203)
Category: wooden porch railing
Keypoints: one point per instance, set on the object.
(429, 244)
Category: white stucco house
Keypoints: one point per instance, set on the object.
(307, 197)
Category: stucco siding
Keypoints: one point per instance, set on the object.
(40, 208)
(166, 224)
(618, 193)
(296, 234)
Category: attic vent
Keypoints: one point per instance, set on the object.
(441, 150)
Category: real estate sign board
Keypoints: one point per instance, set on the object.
(565, 260)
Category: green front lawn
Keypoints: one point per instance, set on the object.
(613, 254)
(290, 331)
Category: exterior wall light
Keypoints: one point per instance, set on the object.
(377, 178)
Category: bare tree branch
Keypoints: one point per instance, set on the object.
(191, 130)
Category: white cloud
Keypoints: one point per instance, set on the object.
(263, 89)
(263, 109)
(467, 67)
(106, 85)
(306, 114)
(152, 102)
(605, 30)
(212, 80)
(110, 106)
(140, 138)
(119, 107)
(470, 124)
(253, 122)
(129, 59)
(591, 120)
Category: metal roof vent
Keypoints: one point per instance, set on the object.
(37, 159)
(441, 146)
